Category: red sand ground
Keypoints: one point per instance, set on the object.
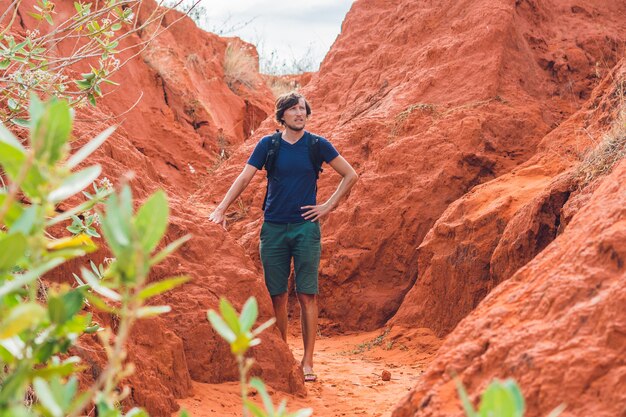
(349, 369)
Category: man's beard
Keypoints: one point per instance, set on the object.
(295, 128)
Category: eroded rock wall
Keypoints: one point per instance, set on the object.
(429, 100)
(177, 120)
(558, 325)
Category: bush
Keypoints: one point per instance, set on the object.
(240, 68)
(611, 149)
(237, 331)
(31, 63)
(39, 326)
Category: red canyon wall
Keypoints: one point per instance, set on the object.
(558, 325)
(466, 121)
(178, 120)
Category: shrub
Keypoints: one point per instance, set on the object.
(32, 64)
(39, 326)
(611, 149)
(237, 331)
(240, 68)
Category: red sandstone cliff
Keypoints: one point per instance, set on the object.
(461, 118)
(178, 121)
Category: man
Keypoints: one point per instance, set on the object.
(291, 228)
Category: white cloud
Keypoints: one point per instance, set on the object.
(291, 29)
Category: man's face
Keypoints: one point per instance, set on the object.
(295, 116)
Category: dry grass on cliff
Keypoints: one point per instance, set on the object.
(610, 150)
(280, 85)
(240, 68)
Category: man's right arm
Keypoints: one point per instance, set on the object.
(240, 184)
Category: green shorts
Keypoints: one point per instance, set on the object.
(282, 242)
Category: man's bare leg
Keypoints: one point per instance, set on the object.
(308, 320)
(280, 311)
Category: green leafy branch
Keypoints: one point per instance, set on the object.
(500, 399)
(237, 331)
(39, 324)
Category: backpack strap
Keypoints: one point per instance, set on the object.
(270, 161)
(315, 154)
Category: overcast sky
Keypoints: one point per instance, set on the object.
(297, 30)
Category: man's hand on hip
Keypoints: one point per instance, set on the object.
(314, 213)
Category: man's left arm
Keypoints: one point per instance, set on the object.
(349, 178)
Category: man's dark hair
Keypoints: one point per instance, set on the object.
(289, 100)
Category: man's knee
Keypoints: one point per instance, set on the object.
(307, 299)
(280, 299)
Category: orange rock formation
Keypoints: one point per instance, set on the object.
(466, 121)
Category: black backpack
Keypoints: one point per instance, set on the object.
(315, 154)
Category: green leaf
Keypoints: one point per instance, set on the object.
(21, 45)
(78, 209)
(69, 392)
(12, 248)
(29, 276)
(249, 314)
(465, 401)
(99, 303)
(169, 249)
(305, 412)
(25, 223)
(46, 398)
(4, 64)
(82, 84)
(36, 109)
(137, 412)
(95, 285)
(75, 183)
(282, 408)
(13, 105)
(92, 99)
(51, 131)
(14, 212)
(221, 327)
(229, 315)
(264, 326)
(59, 369)
(160, 287)
(89, 148)
(151, 220)
(92, 232)
(557, 411)
(48, 19)
(502, 400)
(7, 138)
(257, 384)
(15, 385)
(254, 409)
(151, 311)
(22, 317)
(116, 224)
(116, 27)
(63, 308)
(21, 122)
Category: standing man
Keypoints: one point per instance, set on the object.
(291, 229)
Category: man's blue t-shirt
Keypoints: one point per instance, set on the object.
(293, 184)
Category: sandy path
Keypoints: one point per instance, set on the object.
(349, 369)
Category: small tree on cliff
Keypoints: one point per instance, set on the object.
(96, 34)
